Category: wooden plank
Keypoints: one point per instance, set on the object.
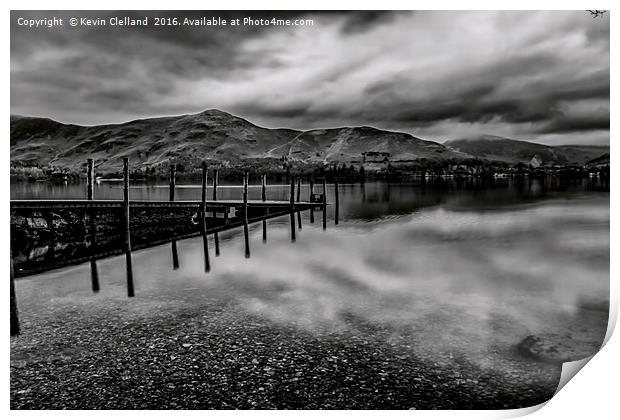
(203, 222)
(175, 253)
(246, 231)
(64, 204)
(85, 204)
(128, 262)
(216, 236)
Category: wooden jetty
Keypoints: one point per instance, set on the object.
(76, 231)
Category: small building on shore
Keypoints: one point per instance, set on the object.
(375, 157)
(375, 161)
(536, 162)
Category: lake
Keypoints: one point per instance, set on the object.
(489, 286)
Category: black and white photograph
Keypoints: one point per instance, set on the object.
(306, 209)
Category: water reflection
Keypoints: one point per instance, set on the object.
(448, 271)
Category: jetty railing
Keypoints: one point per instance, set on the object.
(50, 234)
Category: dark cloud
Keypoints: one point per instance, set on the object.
(288, 110)
(365, 20)
(532, 74)
(574, 125)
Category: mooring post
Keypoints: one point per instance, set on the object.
(324, 204)
(14, 317)
(311, 199)
(128, 265)
(90, 193)
(264, 198)
(175, 254)
(203, 220)
(336, 201)
(89, 180)
(299, 200)
(216, 237)
(246, 231)
(292, 204)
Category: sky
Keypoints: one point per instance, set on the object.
(438, 75)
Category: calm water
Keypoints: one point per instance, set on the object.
(359, 202)
(453, 271)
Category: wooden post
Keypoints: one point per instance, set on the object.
(173, 172)
(94, 273)
(264, 198)
(203, 221)
(128, 264)
(292, 203)
(175, 254)
(246, 232)
(89, 180)
(298, 200)
(14, 317)
(324, 204)
(311, 199)
(336, 201)
(216, 237)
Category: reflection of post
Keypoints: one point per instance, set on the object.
(94, 274)
(264, 198)
(337, 201)
(128, 264)
(175, 254)
(324, 204)
(203, 221)
(298, 200)
(216, 237)
(14, 317)
(292, 208)
(50, 255)
(246, 232)
(311, 199)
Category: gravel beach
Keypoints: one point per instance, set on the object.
(111, 355)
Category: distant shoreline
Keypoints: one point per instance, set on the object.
(422, 169)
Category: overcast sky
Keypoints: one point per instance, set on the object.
(538, 76)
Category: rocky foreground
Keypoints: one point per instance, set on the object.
(108, 354)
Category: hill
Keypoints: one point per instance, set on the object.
(210, 135)
(515, 151)
(347, 145)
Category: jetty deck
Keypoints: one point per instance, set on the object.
(50, 234)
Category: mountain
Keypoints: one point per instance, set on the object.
(601, 160)
(347, 144)
(209, 135)
(515, 151)
(149, 142)
(584, 154)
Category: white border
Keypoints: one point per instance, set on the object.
(593, 394)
